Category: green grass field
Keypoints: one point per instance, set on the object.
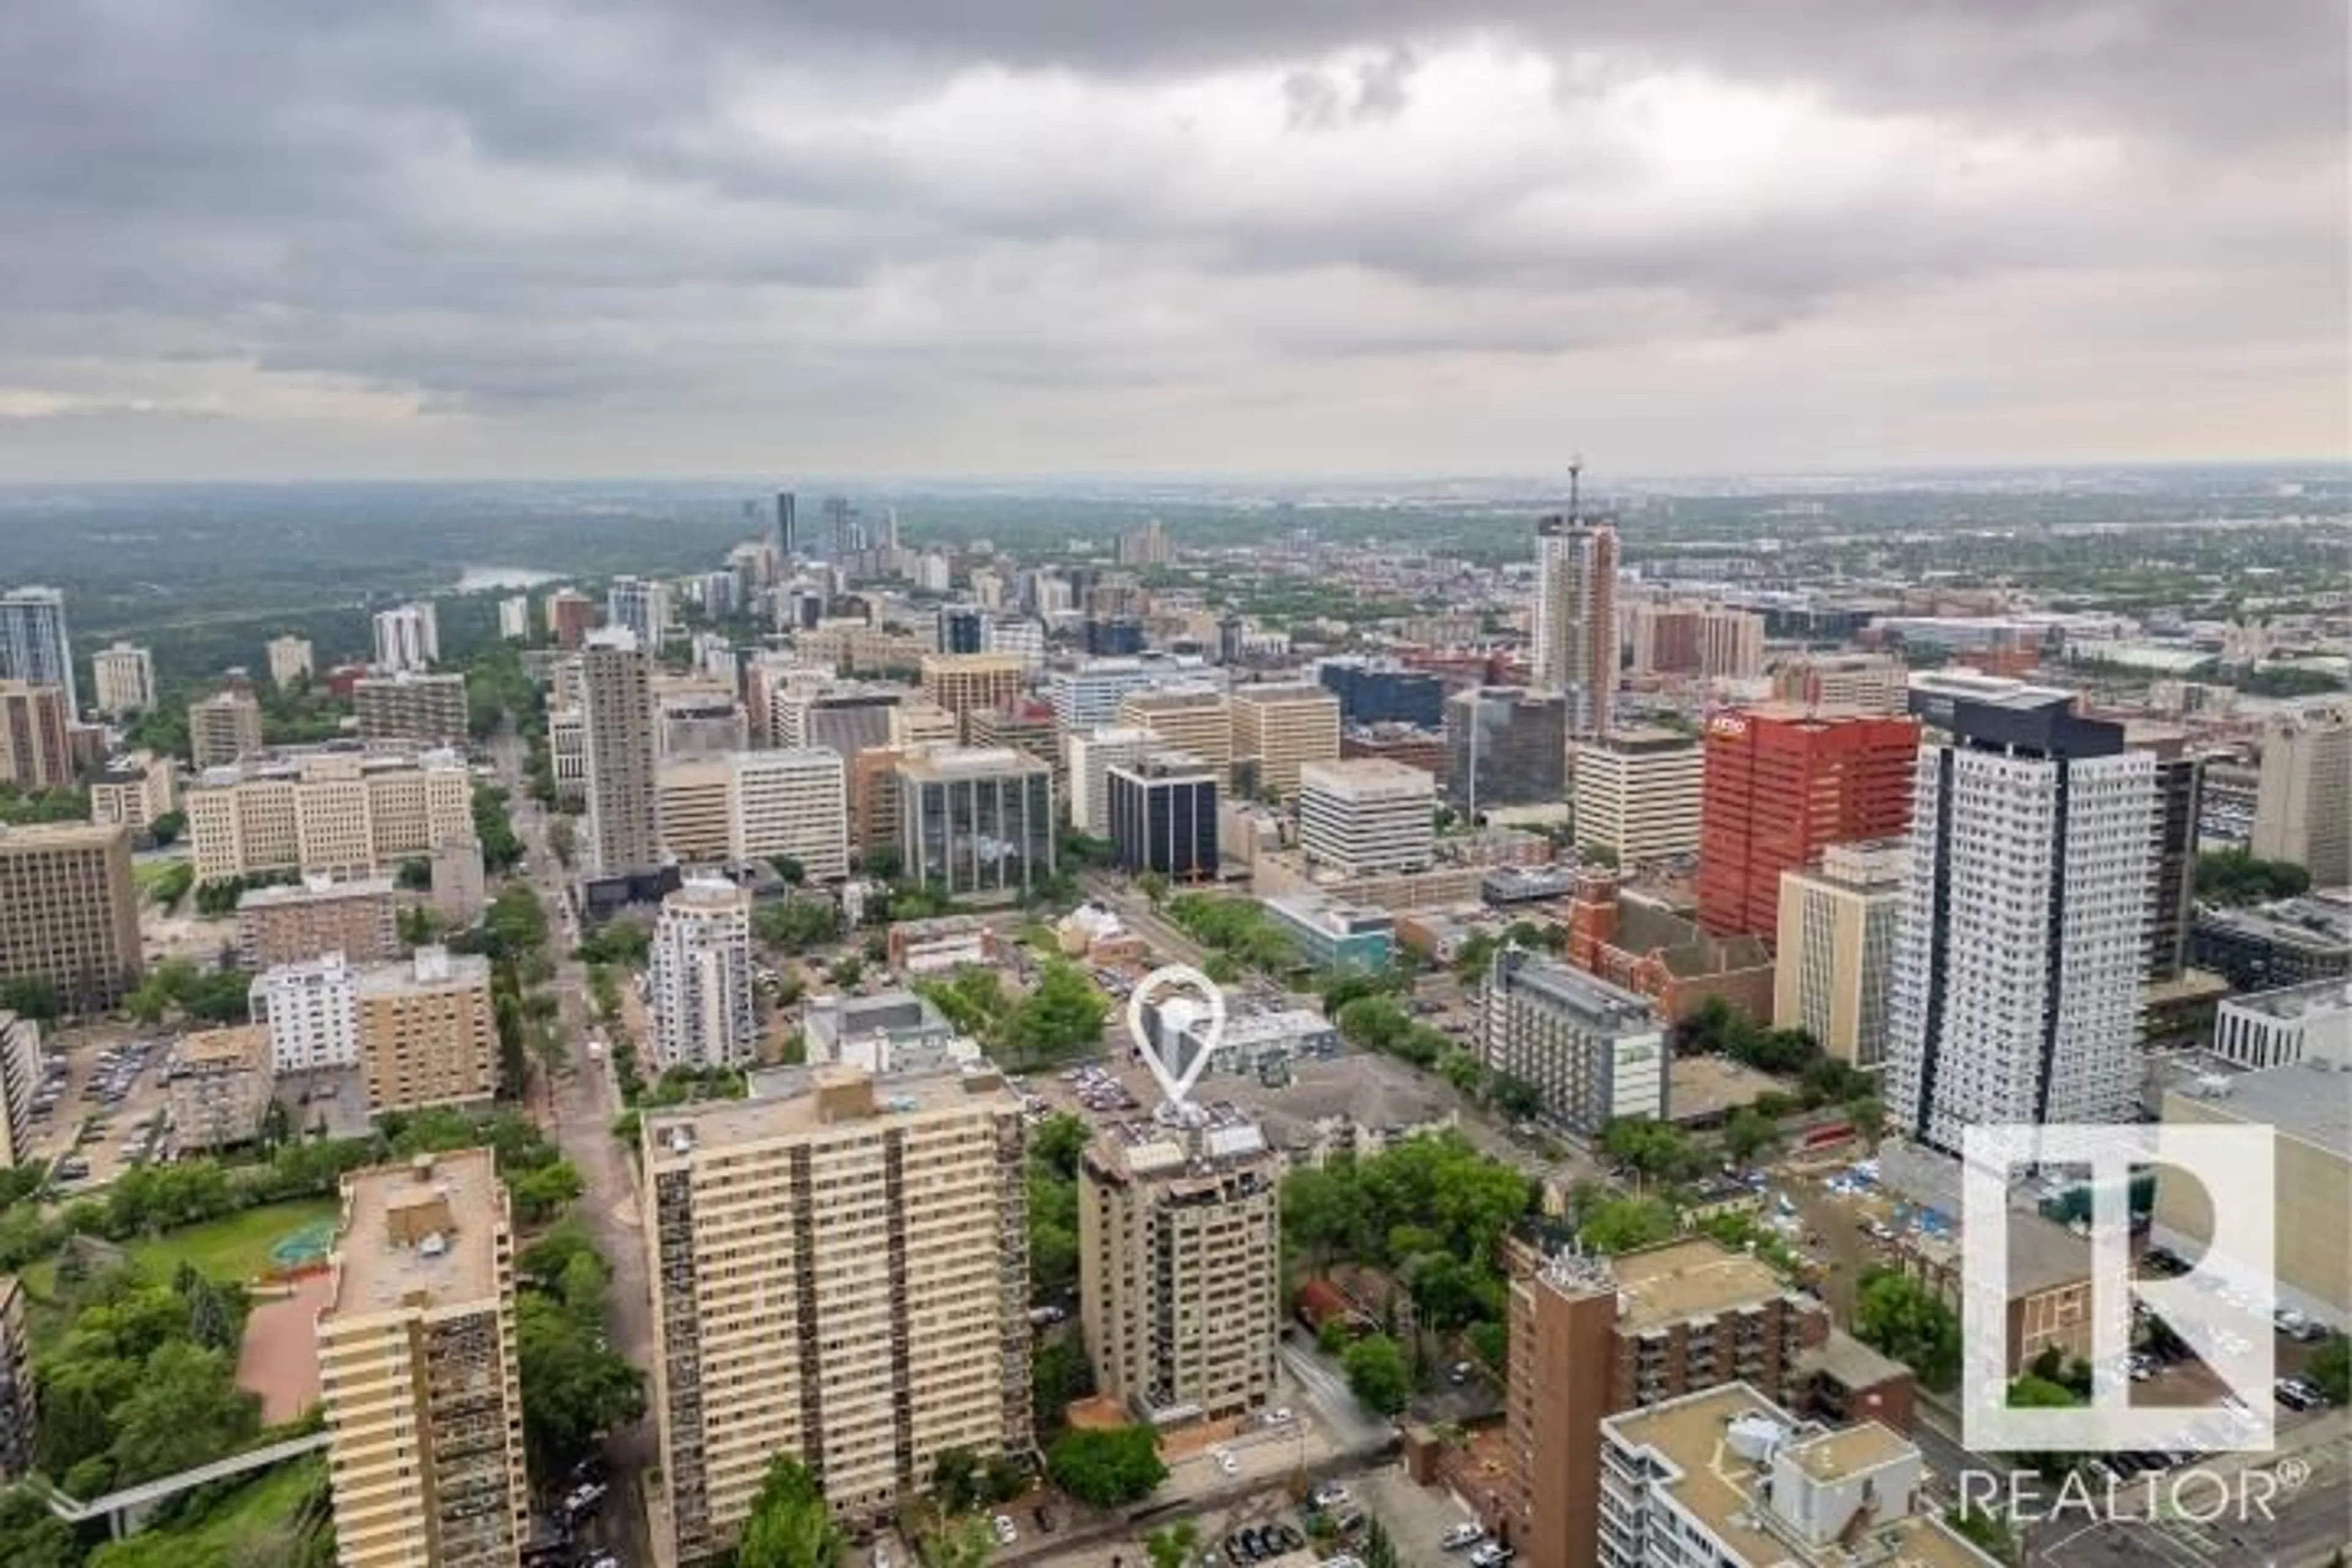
(250, 1524)
(234, 1248)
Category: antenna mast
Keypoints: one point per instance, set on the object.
(1575, 478)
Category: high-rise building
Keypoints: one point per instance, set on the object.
(35, 751)
(223, 728)
(845, 717)
(697, 718)
(692, 801)
(698, 984)
(20, 1080)
(1505, 746)
(1088, 697)
(69, 911)
(2302, 803)
(639, 607)
(1024, 724)
(2022, 947)
(291, 660)
(421, 710)
(1592, 1337)
(2179, 806)
(218, 1087)
(1360, 816)
(976, 822)
(1835, 959)
(843, 531)
(786, 532)
(310, 1007)
(124, 676)
(407, 636)
(333, 815)
(1383, 691)
(960, 628)
(1179, 1266)
(840, 1273)
(1146, 546)
(1711, 642)
(34, 644)
(964, 683)
(1865, 682)
(792, 805)
(1763, 1488)
(419, 1371)
(1637, 794)
(314, 918)
(427, 1032)
(1023, 638)
(1591, 1052)
(514, 618)
(1195, 720)
(1284, 727)
(19, 1406)
(133, 790)
(919, 722)
(1576, 618)
(1779, 784)
(617, 740)
(1089, 755)
(1162, 815)
(571, 616)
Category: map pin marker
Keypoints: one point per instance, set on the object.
(1174, 1084)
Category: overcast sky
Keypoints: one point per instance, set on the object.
(291, 238)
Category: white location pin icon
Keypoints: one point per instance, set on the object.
(1176, 1085)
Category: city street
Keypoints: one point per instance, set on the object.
(579, 1106)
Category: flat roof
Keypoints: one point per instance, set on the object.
(60, 835)
(970, 761)
(2309, 1101)
(419, 1234)
(1695, 1277)
(246, 1045)
(2320, 996)
(431, 969)
(825, 1097)
(319, 889)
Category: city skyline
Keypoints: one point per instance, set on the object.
(717, 241)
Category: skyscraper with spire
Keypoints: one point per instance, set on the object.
(1576, 613)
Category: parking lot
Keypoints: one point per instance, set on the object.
(103, 1094)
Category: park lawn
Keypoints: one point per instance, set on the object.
(235, 1247)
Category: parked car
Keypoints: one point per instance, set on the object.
(1002, 1526)
(1490, 1554)
(1458, 1536)
(1330, 1494)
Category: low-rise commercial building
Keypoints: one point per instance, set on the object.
(2293, 941)
(1180, 1242)
(1591, 1052)
(411, 708)
(1329, 934)
(219, 1087)
(419, 1371)
(2278, 1028)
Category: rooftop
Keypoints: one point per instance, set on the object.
(1725, 1489)
(969, 761)
(1287, 691)
(435, 968)
(60, 835)
(315, 889)
(247, 1045)
(1592, 999)
(1679, 1281)
(419, 1235)
(2315, 920)
(1350, 774)
(1645, 740)
(817, 1099)
(2309, 1101)
(2294, 1002)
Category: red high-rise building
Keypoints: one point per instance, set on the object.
(1781, 782)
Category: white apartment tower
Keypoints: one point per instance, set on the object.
(34, 645)
(2020, 955)
(1088, 756)
(1576, 616)
(407, 636)
(698, 987)
(616, 742)
(639, 606)
(2302, 803)
(514, 618)
(312, 1011)
(124, 674)
(1367, 815)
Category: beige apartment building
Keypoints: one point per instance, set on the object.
(965, 683)
(1835, 959)
(20, 1079)
(921, 722)
(622, 833)
(296, 924)
(1869, 682)
(331, 814)
(132, 790)
(1637, 793)
(19, 1406)
(691, 801)
(1192, 717)
(1692, 637)
(427, 1032)
(69, 911)
(1180, 1267)
(419, 1373)
(840, 1273)
(1284, 727)
(793, 803)
(411, 708)
(223, 728)
(2303, 802)
(124, 679)
(219, 1089)
(36, 752)
(291, 659)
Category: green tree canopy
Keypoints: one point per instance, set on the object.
(1107, 1466)
(1377, 1373)
(789, 1525)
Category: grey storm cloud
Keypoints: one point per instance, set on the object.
(1049, 232)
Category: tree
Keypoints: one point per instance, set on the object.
(790, 870)
(1059, 1374)
(961, 1543)
(184, 1410)
(789, 1525)
(167, 827)
(1171, 1546)
(563, 840)
(2331, 1368)
(540, 1195)
(1868, 1115)
(414, 876)
(1057, 1142)
(33, 997)
(797, 924)
(1626, 1225)
(1910, 1324)
(956, 1480)
(848, 971)
(2239, 877)
(573, 1391)
(1745, 1135)
(1106, 1466)
(1153, 887)
(1064, 1013)
(1377, 1373)
(1658, 1151)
